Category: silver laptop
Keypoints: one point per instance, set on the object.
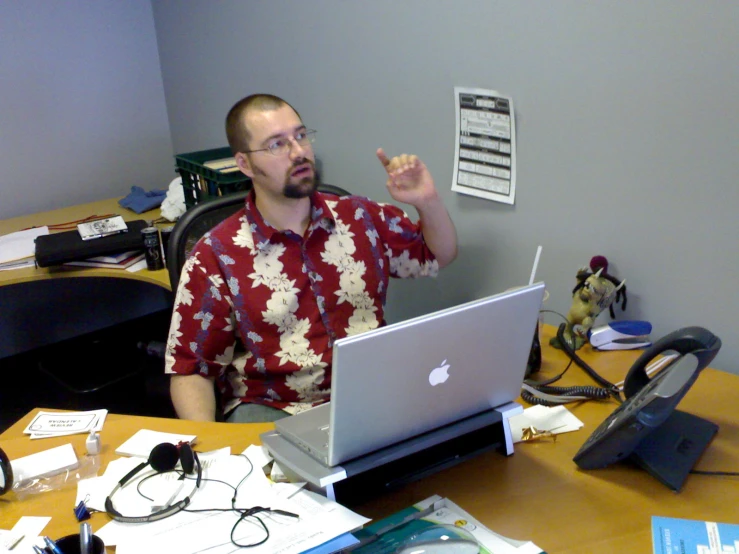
(399, 381)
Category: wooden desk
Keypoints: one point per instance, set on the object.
(537, 494)
(42, 306)
(74, 213)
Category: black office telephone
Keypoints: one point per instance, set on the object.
(647, 428)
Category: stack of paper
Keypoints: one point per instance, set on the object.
(17, 250)
(57, 424)
(118, 261)
(144, 440)
(210, 523)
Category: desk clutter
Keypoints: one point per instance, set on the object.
(489, 492)
(102, 241)
(175, 499)
(168, 497)
(68, 246)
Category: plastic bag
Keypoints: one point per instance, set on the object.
(88, 467)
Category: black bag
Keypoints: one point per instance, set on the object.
(58, 248)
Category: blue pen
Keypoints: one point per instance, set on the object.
(51, 545)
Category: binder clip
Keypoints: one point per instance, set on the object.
(80, 510)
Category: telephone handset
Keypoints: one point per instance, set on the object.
(646, 427)
(697, 341)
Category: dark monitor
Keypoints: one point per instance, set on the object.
(647, 428)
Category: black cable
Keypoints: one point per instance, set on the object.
(589, 393)
(570, 351)
(718, 473)
(534, 383)
(244, 513)
(607, 390)
(248, 473)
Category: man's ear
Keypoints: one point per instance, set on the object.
(242, 161)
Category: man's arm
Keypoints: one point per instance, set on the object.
(199, 333)
(409, 181)
(193, 397)
(438, 231)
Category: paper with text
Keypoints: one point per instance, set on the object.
(485, 145)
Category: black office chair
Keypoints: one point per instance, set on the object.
(199, 219)
(193, 224)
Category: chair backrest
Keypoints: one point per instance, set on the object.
(201, 218)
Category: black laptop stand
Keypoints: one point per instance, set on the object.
(391, 467)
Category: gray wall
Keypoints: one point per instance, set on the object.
(627, 129)
(82, 114)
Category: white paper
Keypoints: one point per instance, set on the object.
(93, 492)
(102, 227)
(44, 464)
(212, 532)
(138, 266)
(30, 529)
(288, 490)
(56, 424)
(556, 419)
(119, 467)
(259, 455)
(320, 519)
(485, 149)
(19, 245)
(144, 440)
(20, 264)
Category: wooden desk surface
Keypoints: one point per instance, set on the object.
(73, 213)
(537, 494)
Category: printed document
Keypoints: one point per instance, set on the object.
(485, 149)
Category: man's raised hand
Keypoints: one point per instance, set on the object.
(409, 180)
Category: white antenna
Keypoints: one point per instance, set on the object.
(536, 264)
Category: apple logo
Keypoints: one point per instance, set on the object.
(439, 374)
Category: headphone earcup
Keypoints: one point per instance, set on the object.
(187, 458)
(163, 457)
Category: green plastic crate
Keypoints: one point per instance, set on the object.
(201, 183)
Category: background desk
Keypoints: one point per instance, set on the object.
(537, 494)
(41, 306)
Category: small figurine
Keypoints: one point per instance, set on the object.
(595, 291)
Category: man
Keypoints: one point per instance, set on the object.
(265, 294)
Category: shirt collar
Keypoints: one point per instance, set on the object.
(321, 217)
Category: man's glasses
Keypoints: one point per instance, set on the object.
(282, 146)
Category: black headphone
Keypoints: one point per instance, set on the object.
(163, 457)
(6, 473)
